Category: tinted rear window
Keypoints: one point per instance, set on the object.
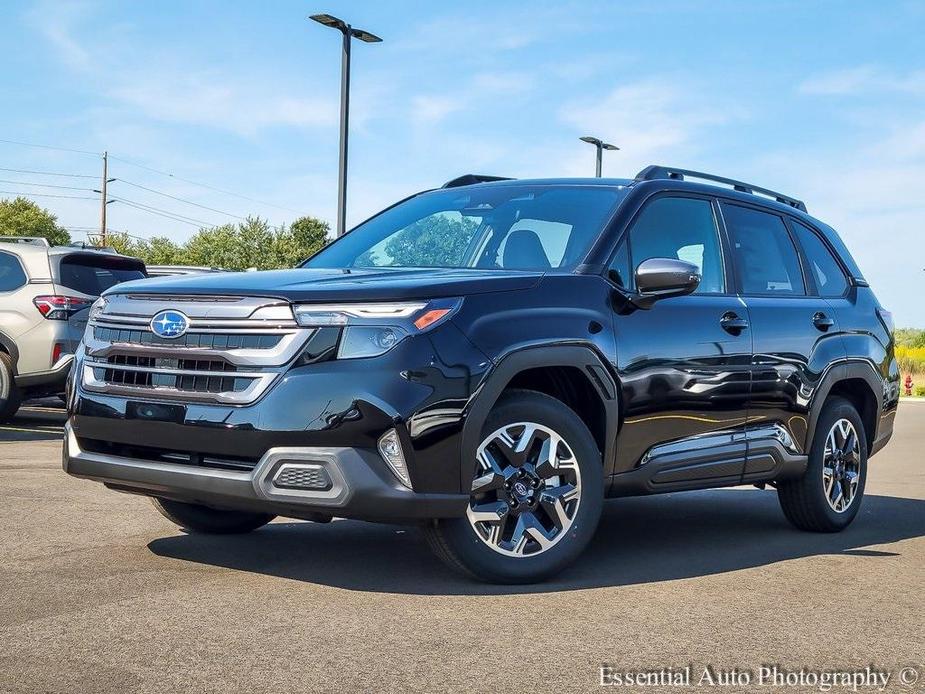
(95, 274)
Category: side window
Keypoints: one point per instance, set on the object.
(620, 267)
(12, 275)
(765, 257)
(830, 280)
(682, 228)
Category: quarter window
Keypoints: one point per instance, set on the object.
(681, 228)
(830, 280)
(12, 275)
(765, 257)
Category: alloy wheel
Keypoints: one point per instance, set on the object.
(841, 465)
(526, 489)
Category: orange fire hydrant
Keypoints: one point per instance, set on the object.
(908, 384)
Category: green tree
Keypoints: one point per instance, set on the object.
(252, 243)
(435, 241)
(22, 217)
(304, 237)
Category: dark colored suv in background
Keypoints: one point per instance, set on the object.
(494, 358)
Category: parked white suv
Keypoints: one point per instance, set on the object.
(45, 294)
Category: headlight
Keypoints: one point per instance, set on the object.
(373, 329)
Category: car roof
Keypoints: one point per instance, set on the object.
(653, 184)
(759, 197)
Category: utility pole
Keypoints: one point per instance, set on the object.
(349, 33)
(104, 200)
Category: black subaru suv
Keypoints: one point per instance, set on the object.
(494, 358)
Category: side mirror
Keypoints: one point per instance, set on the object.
(660, 278)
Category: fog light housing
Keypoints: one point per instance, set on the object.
(391, 452)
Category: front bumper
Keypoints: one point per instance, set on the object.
(359, 486)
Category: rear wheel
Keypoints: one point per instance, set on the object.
(536, 495)
(828, 496)
(10, 395)
(203, 519)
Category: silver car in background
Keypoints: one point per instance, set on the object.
(45, 294)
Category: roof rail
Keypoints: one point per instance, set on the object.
(34, 240)
(470, 179)
(656, 172)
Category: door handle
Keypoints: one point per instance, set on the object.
(732, 323)
(822, 321)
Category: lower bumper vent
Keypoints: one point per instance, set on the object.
(302, 476)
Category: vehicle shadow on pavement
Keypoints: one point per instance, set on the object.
(640, 540)
(35, 422)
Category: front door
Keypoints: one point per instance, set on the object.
(685, 363)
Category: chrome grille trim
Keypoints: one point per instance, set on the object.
(221, 329)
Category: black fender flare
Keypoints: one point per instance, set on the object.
(486, 395)
(10, 348)
(849, 369)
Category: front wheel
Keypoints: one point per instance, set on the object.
(203, 519)
(828, 495)
(536, 497)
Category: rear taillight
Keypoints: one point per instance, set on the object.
(58, 307)
(56, 352)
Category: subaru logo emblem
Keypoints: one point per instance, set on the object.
(169, 324)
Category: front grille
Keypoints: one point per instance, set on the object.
(233, 350)
(229, 340)
(168, 455)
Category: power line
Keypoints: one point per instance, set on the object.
(21, 194)
(157, 171)
(60, 149)
(163, 213)
(47, 173)
(43, 185)
(202, 185)
(174, 197)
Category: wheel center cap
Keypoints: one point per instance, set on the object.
(521, 490)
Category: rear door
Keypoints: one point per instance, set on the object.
(684, 364)
(795, 333)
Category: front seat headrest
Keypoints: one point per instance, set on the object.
(524, 251)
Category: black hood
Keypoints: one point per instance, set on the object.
(309, 284)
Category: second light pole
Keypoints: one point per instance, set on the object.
(601, 145)
(349, 33)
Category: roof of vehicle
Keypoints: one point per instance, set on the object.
(673, 178)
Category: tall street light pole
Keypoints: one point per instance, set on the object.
(348, 33)
(601, 146)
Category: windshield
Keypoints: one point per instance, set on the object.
(492, 227)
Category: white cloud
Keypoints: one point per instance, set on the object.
(213, 99)
(55, 23)
(162, 86)
(863, 79)
(430, 109)
(649, 120)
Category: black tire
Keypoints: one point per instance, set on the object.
(804, 500)
(10, 395)
(456, 541)
(202, 519)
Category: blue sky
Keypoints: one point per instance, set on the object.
(821, 100)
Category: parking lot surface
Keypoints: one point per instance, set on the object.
(99, 593)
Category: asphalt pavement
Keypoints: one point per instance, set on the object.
(99, 593)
